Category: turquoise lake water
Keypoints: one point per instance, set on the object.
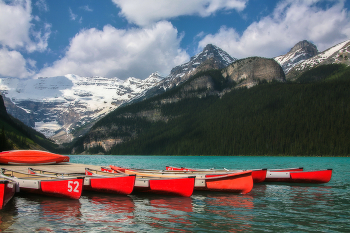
(268, 207)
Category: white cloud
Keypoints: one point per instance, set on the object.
(41, 4)
(17, 30)
(86, 8)
(112, 52)
(72, 15)
(144, 13)
(291, 21)
(14, 65)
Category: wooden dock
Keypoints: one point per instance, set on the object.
(60, 167)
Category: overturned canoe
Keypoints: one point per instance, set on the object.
(108, 183)
(175, 186)
(31, 157)
(50, 186)
(237, 182)
(7, 190)
(258, 175)
(312, 177)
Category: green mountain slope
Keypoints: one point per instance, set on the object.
(308, 117)
(16, 135)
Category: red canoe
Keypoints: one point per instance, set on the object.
(7, 190)
(258, 175)
(237, 182)
(108, 183)
(178, 186)
(31, 157)
(312, 177)
(50, 186)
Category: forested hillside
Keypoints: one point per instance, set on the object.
(16, 135)
(310, 116)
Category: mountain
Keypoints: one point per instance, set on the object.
(60, 107)
(252, 70)
(302, 51)
(16, 135)
(338, 54)
(212, 57)
(128, 122)
(200, 117)
(65, 107)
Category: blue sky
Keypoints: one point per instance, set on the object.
(134, 38)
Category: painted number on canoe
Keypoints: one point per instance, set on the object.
(73, 186)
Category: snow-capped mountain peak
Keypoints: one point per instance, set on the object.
(302, 51)
(339, 53)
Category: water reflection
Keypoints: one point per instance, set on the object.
(231, 211)
(107, 209)
(7, 215)
(41, 214)
(163, 213)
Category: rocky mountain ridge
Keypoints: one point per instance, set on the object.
(302, 51)
(339, 53)
(212, 57)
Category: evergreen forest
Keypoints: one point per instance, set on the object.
(309, 116)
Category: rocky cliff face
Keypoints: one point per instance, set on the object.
(302, 51)
(250, 71)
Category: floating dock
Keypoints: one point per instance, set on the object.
(59, 167)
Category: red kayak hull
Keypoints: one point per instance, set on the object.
(31, 157)
(7, 190)
(70, 188)
(311, 177)
(119, 185)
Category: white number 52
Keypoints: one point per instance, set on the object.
(73, 186)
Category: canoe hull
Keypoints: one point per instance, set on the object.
(174, 187)
(7, 190)
(311, 177)
(258, 175)
(182, 186)
(65, 188)
(237, 183)
(117, 185)
(28, 157)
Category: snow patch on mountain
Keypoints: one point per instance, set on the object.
(332, 52)
(70, 101)
(302, 51)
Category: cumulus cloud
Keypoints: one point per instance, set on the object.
(17, 30)
(111, 52)
(13, 64)
(144, 13)
(291, 21)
